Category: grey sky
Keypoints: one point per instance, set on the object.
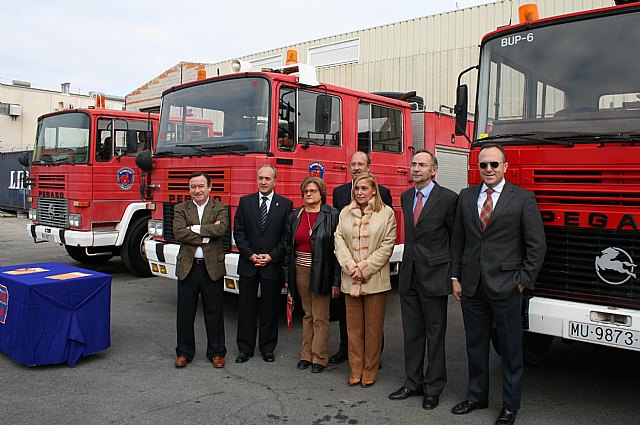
(115, 46)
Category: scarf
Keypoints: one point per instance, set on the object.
(360, 241)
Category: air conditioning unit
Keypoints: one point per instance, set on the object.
(15, 110)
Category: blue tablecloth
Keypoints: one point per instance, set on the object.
(45, 320)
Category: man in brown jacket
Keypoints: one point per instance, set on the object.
(199, 225)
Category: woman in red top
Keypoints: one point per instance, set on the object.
(311, 269)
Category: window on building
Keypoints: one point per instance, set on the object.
(338, 53)
(4, 108)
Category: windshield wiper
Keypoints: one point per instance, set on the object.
(600, 137)
(196, 148)
(523, 137)
(168, 153)
(225, 149)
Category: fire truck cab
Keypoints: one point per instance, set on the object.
(85, 186)
(562, 96)
(284, 118)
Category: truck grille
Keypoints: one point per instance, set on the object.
(53, 212)
(51, 181)
(570, 270)
(167, 221)
(587, 187)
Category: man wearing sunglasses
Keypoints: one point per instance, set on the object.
(498, 246)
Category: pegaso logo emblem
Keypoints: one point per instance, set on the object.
(51, 212)
(615, 266)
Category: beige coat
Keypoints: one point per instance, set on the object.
(365, 241)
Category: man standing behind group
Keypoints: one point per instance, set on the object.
(429, 210)
(258, 229)
(342, 196)
(199, 225)
(498, 247)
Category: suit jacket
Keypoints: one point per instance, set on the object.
(251, 239)
(427, 246)
(510, 250)
(342, 196)
(185, 215)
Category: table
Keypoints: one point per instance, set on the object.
(53, 313)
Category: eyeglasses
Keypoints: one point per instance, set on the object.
(310, 191)
(494, 164)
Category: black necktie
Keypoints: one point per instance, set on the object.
(263, 211)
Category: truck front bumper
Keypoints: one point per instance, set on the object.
(42, 233)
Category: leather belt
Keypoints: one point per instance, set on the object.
(198, 261)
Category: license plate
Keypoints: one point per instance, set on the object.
(605, 335)
(48, 237)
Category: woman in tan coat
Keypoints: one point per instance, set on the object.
(364, 241)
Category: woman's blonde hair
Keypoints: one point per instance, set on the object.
(369, 178)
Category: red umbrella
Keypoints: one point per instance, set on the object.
(289, 310)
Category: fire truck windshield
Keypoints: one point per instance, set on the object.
(562, 78)
(62, 139)
(216, 117)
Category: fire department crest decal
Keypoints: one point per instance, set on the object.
(316, 169)
(615, 266)
(4, 303)
(125, 178)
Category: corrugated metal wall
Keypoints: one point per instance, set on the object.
(423, 54)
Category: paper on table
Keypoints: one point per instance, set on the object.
(26, 270)
(66, 276)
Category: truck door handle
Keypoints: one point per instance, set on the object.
(339, 167)
(402, 171)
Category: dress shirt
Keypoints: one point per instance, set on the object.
(269, 199)
(196, 228)
(426, 191)
(497, 190)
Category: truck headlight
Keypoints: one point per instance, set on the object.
(155, 227)
(33, 215)
(75, 220)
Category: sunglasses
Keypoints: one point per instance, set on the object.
(494, 164)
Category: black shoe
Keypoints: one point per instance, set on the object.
(317, 368)
(243, 357)
(404, 393)
(430, 401)
(339, 357)
(268, 357)
(467, 407)
(506, 417)
(303, 364)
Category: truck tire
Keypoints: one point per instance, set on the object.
(79, 253)
(535, 347)
(132, 250)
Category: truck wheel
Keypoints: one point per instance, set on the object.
(535, 347)
(79, 254)
(132, 250)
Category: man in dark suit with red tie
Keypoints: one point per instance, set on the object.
(498, 247)
(258, 229)
(425, 283)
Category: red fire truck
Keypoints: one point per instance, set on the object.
(85, 187)
(562, 96)
(284, 118)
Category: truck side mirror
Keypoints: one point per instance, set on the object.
(460, 109)
(323, 114)
(144, 161)
(24, 159)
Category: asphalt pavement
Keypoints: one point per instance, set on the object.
(135, 382)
